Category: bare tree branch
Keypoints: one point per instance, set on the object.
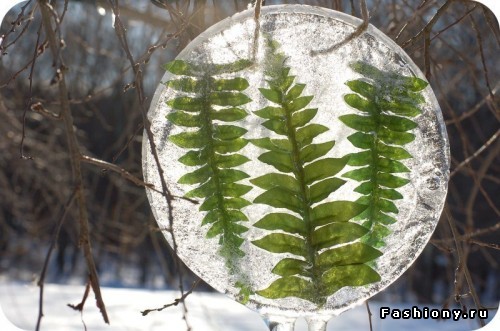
(43, 273)
(74, 153)
(358, 32)
(176, 301)
(462, 268)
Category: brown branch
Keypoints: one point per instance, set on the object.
(113, 167)
(79, 306)
(164, 264)
(483, 61)
(127, 175)
(488, 143)
(30, 97)
(20, 71)
(181, 299)
(17, 22)
(427, 56)
(136, 15)
(477, 107)
(467, 236)
(137, 70)
(462, 266)
(41, 280)
(256, 33)
(492, 22)
(418, 12)
(127, 144)
(358, 32)
(482, 244)
(38, 107)
(454, 23)
(369, 315)
(74, 153)
(428, 27)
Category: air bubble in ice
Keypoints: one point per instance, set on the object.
(434, 182)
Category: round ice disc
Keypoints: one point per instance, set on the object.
(308, 168)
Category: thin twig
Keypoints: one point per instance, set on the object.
(29, 101)
(256, 18)
(41, 280)
(358, 32)
(427, 56)
(127, 144)
(462, 266)
(113, 167)
(454, 23)
(127, 175)
(418, 12)
(467, 236)
(40, 109)
(477, 107)
(164, 265)
(80, 306)
(181, 299)
(428, 27)
(74, 153)
(492, 22)
(369, 315)
(476, 153)
(18, 21)
(136, 67)
(482, 244)
(483, 61)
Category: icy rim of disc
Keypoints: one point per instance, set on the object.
(149, 165)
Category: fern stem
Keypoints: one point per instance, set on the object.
(387, 101)
(304, 197)
(374, 196)
(319, 265)
(207, 127)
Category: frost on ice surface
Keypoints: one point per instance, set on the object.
(249, 132)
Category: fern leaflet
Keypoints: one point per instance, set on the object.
(387, 101)
(209, 101)
(313, 229)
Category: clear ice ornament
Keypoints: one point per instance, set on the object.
(307, 178)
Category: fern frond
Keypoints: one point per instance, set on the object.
(207, 104)
(309, 229)
(386, 101)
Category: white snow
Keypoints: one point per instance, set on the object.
(206, 312)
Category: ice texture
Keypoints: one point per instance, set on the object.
(300, 31)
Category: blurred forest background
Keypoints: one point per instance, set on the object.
(59, 171)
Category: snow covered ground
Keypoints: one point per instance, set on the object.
(207, 312)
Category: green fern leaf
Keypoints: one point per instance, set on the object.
(235, 84)
(280, 198)
(348, 254)
(290, 286)
(335, 211)
(282, 243)
(314, 151)
(336, 233)
(268, 181)
(224, 147)
(228, 114)
(290, 267)
(349, 275)
(282, 221)
(307, 224)
(321, 190)
(387, 101)
(213, 147)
